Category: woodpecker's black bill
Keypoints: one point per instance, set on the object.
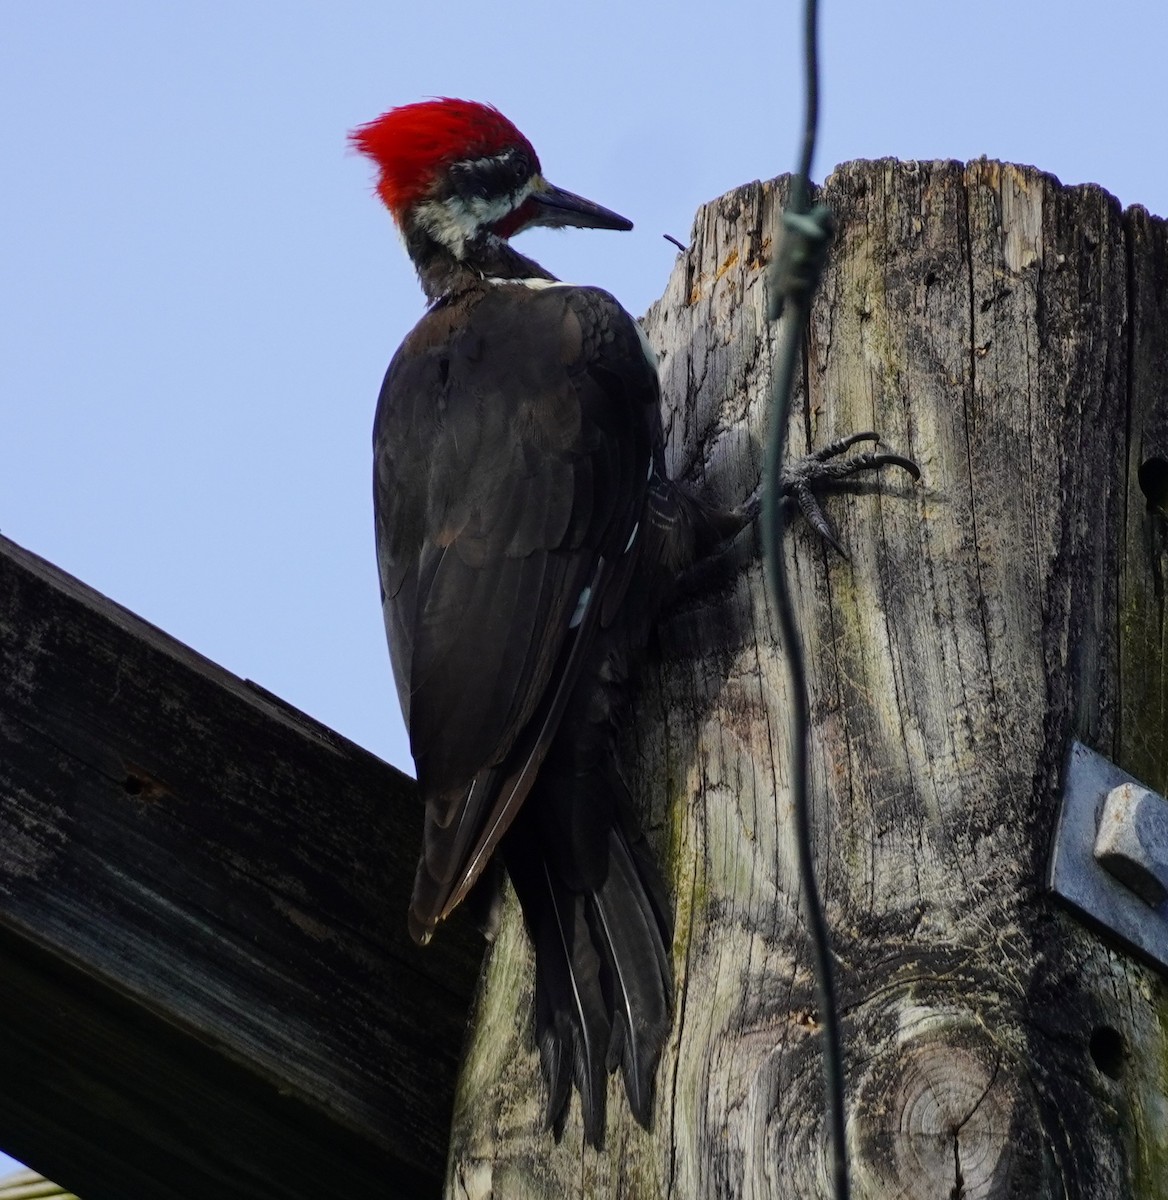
(558, 209)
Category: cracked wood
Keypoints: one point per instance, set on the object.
(1011, 335)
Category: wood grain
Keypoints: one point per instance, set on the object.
(206, 985)
(1010, 335)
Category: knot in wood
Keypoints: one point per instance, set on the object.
(944, 1115)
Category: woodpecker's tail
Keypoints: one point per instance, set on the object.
(596, 909)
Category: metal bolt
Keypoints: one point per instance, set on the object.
(1132, 841)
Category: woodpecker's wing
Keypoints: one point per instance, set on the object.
(514, 438)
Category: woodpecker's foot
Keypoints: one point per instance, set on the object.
(725, 542)
(799, 479)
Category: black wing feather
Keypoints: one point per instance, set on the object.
(512, 441)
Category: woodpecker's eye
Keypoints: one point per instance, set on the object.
(489, 178)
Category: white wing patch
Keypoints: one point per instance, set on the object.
(536, 285)
(581, 608)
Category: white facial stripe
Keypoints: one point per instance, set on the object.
(454, 221)
(488, 161)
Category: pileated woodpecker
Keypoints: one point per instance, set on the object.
(527, 537)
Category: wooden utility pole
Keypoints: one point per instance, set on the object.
(1011, 335)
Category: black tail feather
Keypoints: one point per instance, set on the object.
(604, 985)
(575, 1033)
(637, 976)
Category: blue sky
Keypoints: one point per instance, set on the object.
(199, 294)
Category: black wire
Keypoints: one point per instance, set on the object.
(802, 179)
(793, 284)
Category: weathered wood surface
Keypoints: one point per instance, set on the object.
(28, 1185)
(1011, 335)
(206, 984)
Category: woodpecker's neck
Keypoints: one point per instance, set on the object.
(443, 273)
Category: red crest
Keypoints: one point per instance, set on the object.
(412, 143)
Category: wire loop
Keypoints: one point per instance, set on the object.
(802, 255)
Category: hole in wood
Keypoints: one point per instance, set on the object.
(1153, 478)
(1107, 1051)
(139, 783)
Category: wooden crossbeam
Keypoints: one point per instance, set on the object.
(206, 984)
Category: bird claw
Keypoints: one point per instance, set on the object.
(748, 512)
(827, 466)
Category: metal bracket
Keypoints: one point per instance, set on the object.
(1109, 861)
